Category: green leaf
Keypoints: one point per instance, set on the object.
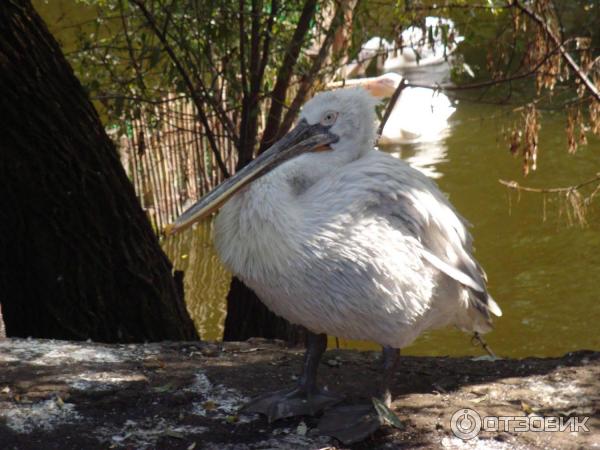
(386, 415)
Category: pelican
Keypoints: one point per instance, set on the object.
(417, 50)
(419, 114)
(343, 239)
(374, 47)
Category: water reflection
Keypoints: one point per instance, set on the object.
(206, 282)
(424, 156)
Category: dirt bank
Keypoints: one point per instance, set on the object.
(71, 395)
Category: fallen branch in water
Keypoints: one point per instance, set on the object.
(515, 185)
(576, 204)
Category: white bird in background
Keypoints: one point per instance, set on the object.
(419, 114)
(343, 239)
(424, 47)
(375, 47)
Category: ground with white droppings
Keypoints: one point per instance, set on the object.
(186, 395)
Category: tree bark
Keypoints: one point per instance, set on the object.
(285, 75)
(2, 327)
(342, 11)
(248, 317)
(79, 257)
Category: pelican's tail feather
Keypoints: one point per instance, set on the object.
(493, 307)
(480, 307)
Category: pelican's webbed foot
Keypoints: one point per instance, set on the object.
(306, 399)
(291, 402)
(354, 423)
(350, 424)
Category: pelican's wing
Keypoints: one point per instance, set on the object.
(412, 202)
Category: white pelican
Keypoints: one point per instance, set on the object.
(343, 239)
(375, 47)
(418, 50)
(419, 115)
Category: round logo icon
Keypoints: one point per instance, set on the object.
(465, 424)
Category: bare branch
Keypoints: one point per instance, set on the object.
(258, 62)
(267, 39)
(188, 82)
(516, 186)
(242, 32)
(391, 104)
(308, 79)
(130, 50)
(487, 83)
(574, 204)
(454, 6)
(284, 74)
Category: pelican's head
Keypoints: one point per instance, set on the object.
(333, 126)
(350, 114)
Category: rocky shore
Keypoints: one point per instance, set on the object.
(186, 395)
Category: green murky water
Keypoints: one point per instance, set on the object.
(544, 274)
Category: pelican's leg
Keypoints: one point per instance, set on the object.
(306, 399)
(391, 356)
(354, 423)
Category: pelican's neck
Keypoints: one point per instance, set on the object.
(256, 231)
(260, 231)
(282, 187)
(270, 199)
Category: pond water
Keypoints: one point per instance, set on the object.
(544, 273)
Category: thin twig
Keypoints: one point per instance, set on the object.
(477, 337)
(284, 74)
(186, 79)
(454, 6)
(388, 111)
(472, 86)
(307, 80)
(487, 83)
(130, 50)
(516, 186)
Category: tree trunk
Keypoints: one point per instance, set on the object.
(79, 257)
(248, 317)
(2, 327)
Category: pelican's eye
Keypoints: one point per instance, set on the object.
(329, 118)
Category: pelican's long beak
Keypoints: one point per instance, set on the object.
(302, 139)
